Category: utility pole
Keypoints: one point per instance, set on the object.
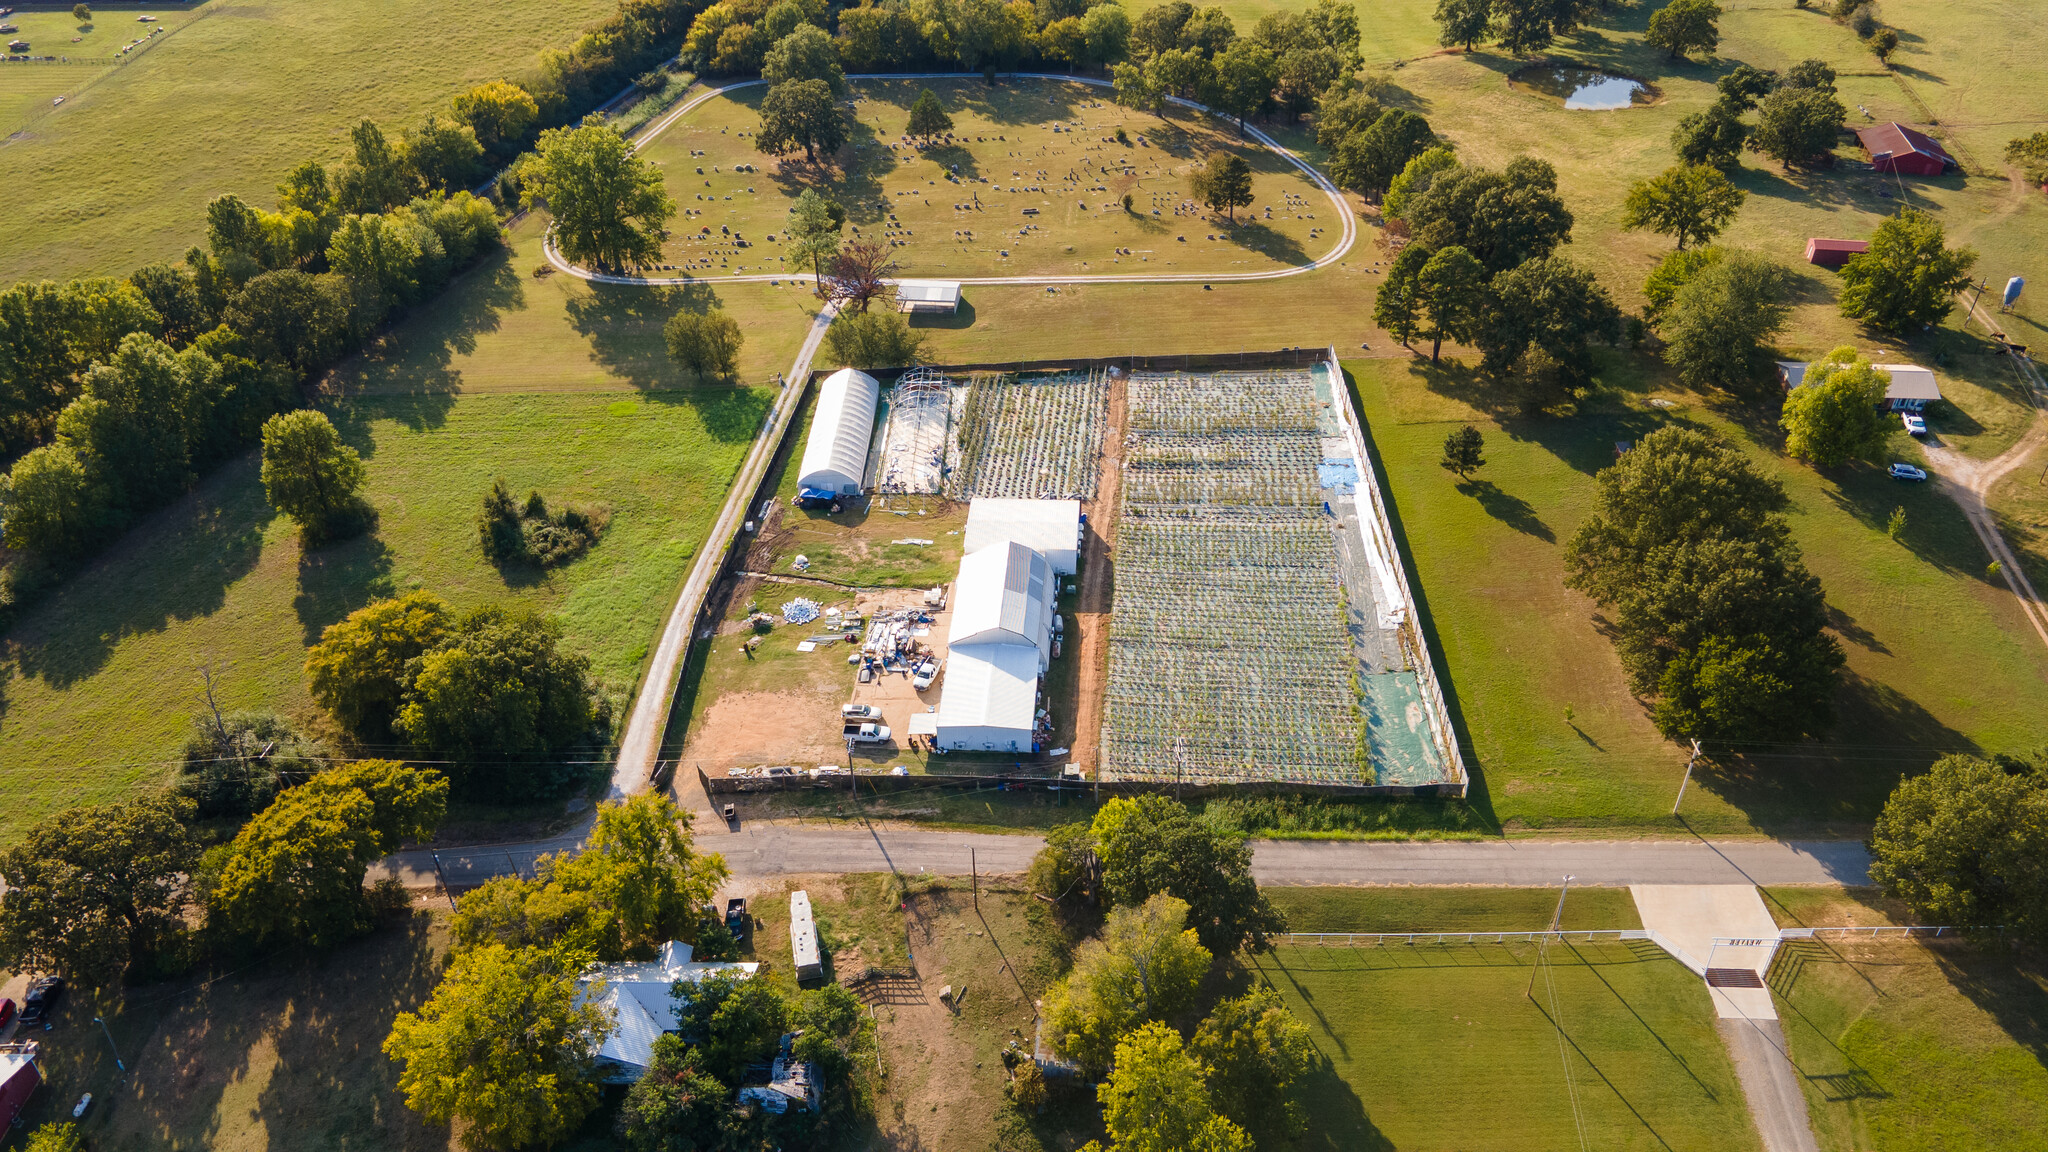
(110, 1043)
(1694, 759)
(974, 867)
(1556, 918)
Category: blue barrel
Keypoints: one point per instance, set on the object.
(2013, 288)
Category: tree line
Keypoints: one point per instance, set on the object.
(1178, 1066)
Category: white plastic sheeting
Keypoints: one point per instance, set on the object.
(836, 455)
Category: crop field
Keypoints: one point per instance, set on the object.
(1032, 183)
(1228, 659)
(228, 101)
(103, 676)
(1034, 437)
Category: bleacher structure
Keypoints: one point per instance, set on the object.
(1229, 658)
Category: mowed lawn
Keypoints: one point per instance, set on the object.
(103, 677)
(501, 328)
(121, 173)
(1439, 1046)
(85, 51)
(1911, 1045)
(1032, 184)
(1521, 649)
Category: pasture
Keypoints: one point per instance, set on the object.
(102, 677)
(1031, 183)
(230, 99)
(1440, 1046)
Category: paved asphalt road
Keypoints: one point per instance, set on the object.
(781, 849)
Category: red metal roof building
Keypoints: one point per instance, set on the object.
(1833, 253)
(1896, 148)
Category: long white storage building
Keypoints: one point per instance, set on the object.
(1004, 596)
(997, 647)
(836, 455)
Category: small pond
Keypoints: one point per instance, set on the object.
(1585, 88)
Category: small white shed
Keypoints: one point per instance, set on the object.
(836, 455)
(935, 296)
(805, 952)
(1051, 528)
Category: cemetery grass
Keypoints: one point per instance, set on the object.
(102, 676)
(1004, 140)
(120, 174)
(1519, 648)
(1910, 1044)
(1393, 1024)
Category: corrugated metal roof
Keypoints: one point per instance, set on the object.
(990, 686)
(1004, 594)
(639, 999)
(1907, 381)
(1896, 139)
(1050, 528)
(836, 455)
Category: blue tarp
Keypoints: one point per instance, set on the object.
(1339, 476)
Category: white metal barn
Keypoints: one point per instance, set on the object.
(1004, 595)
(1051, 528)
(991, 698)
(836, 455)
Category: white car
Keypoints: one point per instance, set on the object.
(1907, 472)
(1915, 425)
(925, 674)
(859, 712)
(828, 770)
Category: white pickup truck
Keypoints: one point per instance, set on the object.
(867, 733)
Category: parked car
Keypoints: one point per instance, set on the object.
(1915, 424)
(867, 733)
(41, 999)
(781, 770)
(1907, 472)
(859, 712)
(736, 918)
(824, 770)
(926, 672)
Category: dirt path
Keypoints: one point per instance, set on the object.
(1969, 483)
(1098, 584)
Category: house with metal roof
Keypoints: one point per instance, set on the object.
(1051, 528)
(835, 459)
(1910, 388)
(639, 998)
(1893, 147)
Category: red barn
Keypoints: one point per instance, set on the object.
(1896, 148)
(1833, 253)
(19, 1077)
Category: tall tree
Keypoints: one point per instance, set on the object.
(869, 340)
(1714, 136)
(1966, 844)
(1908, 278)
(805, 54)
(1145, 967)
(813, 232)
(357, 671)
(641, 861)
(1152, 844)
(861, 273)
(1396, 307)
(443, 153)
(1138, 87)
(500, 112)
(1254, 1051)
(1464, 451)
(608, 205)
(1796, 124)
(374, 178)
(1106, 32)
(677, 1105)
(1451, 291)
(504, 1045)
(1836, 414)
(1369, 160)
(707, 343)
(1748, 688)
(1415, 178)
(1246, 76)
(308, 473)
(1683, 27)
(928, 117)
(1504, 218)
(1463, 23)
(1742, 86)
(1551, 304)
(1340, 113)
(1157, 28)
(1157, 1101)
(737, 1022)
(1719, 325)
(801, 114)
(294, 873)
(92, 890)
(1690, 203)
(1224, 183)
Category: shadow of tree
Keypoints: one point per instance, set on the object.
(1509, 509)
(338, 579)
(624, 326)
(176, 564)
(1935, 530)
(416, 353)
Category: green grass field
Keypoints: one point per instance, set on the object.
(1045, 148)
(103, 676)
(1519, 647)
(1439, 1046)
(120, 174)
(86, 53)
(1910, 1044)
